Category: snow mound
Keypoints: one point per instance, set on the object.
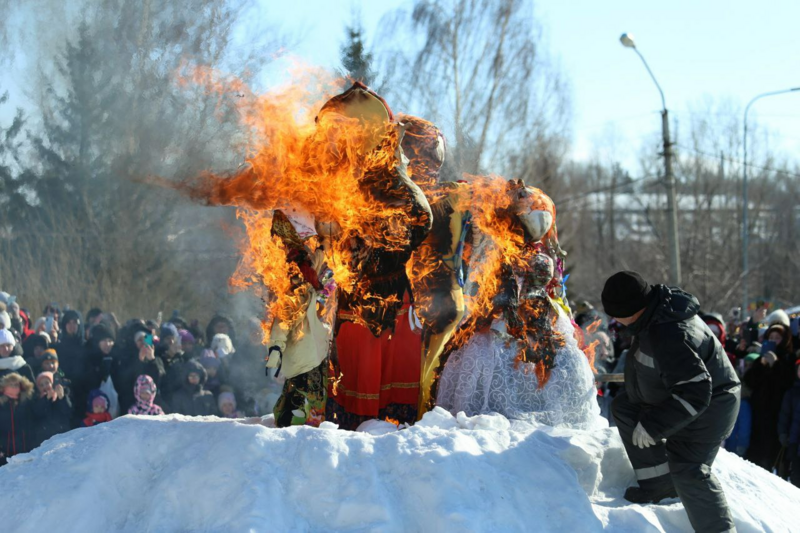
(482, 473)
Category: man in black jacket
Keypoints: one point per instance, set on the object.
(680, 402)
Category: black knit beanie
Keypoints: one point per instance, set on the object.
(100, 332)
(625, 294)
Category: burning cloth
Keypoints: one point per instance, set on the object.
(378, 279)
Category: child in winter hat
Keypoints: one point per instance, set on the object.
(222, 346)
(145, 393)
(97, 409)
(187, 341)
(227, 405)
(212, 364)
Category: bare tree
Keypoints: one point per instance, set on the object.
(80, 225)
(482, 74)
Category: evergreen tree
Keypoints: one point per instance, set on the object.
(356, 61)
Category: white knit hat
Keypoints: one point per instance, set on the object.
(6, 337)
(778, 317)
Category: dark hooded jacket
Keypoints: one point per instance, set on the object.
(127, 367)
(677, 366)
(768, 385)
(211, 325)
(193, 400)
(73, 361)
(173, 372)
(50, 418)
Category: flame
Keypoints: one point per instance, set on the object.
(590, 352)
(496, 204)
(392, 421)
(589, 331)
(301, 152)
(346, 171)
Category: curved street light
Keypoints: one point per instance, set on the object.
(672, 216)
(745, 201)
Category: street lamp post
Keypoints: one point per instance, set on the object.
(745, 200)
(672, 210)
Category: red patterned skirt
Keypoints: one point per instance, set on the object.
(379, 375)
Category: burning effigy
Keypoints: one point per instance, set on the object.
(385, 288)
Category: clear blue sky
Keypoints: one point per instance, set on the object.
(727, 50)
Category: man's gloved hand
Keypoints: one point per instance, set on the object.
(740, 451)
(641, 438)
(784, 439)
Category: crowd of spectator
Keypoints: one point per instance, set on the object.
(764, 350)
(62, 371)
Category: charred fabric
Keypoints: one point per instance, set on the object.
(373, 270)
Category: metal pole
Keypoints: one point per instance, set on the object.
(745, 229)
(672, 208)
(669, 181)
(745, 202)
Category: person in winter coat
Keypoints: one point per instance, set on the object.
(215, 372)
(12, 363)
(680, 401)
(72, 359)
(188, 343)
(17, 324)
(192, 399)
(52, 409)
(97, 409)
(767, 383)
(220, 324)
(145, 393)
(716, 323)
(789, 427)
(132, 361)
(739, 440)
(172, 357)
(778, 339)
(51, 363)
(98, 354)
(227, 405)
(33, 349)
(16, 419)
(221, 347)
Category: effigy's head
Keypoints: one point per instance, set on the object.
(362, 104)
(535, 209)
(425, 147)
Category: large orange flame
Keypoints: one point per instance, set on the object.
(325, 163)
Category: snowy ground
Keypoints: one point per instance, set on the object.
(175, 473)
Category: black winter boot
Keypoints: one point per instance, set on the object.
(650, 495)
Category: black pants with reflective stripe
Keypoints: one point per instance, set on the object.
(681, 462)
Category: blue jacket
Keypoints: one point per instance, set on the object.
(740, 437)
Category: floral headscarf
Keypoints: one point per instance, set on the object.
(145, 383)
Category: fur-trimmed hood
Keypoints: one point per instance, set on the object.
(25, 387)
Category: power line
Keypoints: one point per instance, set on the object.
(609, 188)
(729, 159)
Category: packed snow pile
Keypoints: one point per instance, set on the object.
(482, 473)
